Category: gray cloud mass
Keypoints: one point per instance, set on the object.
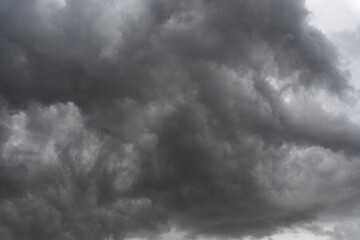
(127, 118)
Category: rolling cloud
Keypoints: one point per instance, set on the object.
(127, 118)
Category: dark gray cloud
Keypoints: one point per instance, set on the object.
(129, 117)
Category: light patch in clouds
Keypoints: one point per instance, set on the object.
(298, 235)
(286, 234)
(335, 15)
(340, 21)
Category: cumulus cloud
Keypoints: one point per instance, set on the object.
(128, 118)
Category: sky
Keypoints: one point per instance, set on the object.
(172, 120)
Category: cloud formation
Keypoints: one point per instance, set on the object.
(130, 117)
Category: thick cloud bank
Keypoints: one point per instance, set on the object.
(126, 118)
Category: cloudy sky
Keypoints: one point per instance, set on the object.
(172, 120)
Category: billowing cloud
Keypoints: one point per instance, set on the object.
(128, 118)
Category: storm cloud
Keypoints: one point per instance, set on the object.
(128, 118)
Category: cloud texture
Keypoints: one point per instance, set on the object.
(123, 118)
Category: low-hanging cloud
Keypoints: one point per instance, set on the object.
(130, 117)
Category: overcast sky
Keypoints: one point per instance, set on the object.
(161, 119)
